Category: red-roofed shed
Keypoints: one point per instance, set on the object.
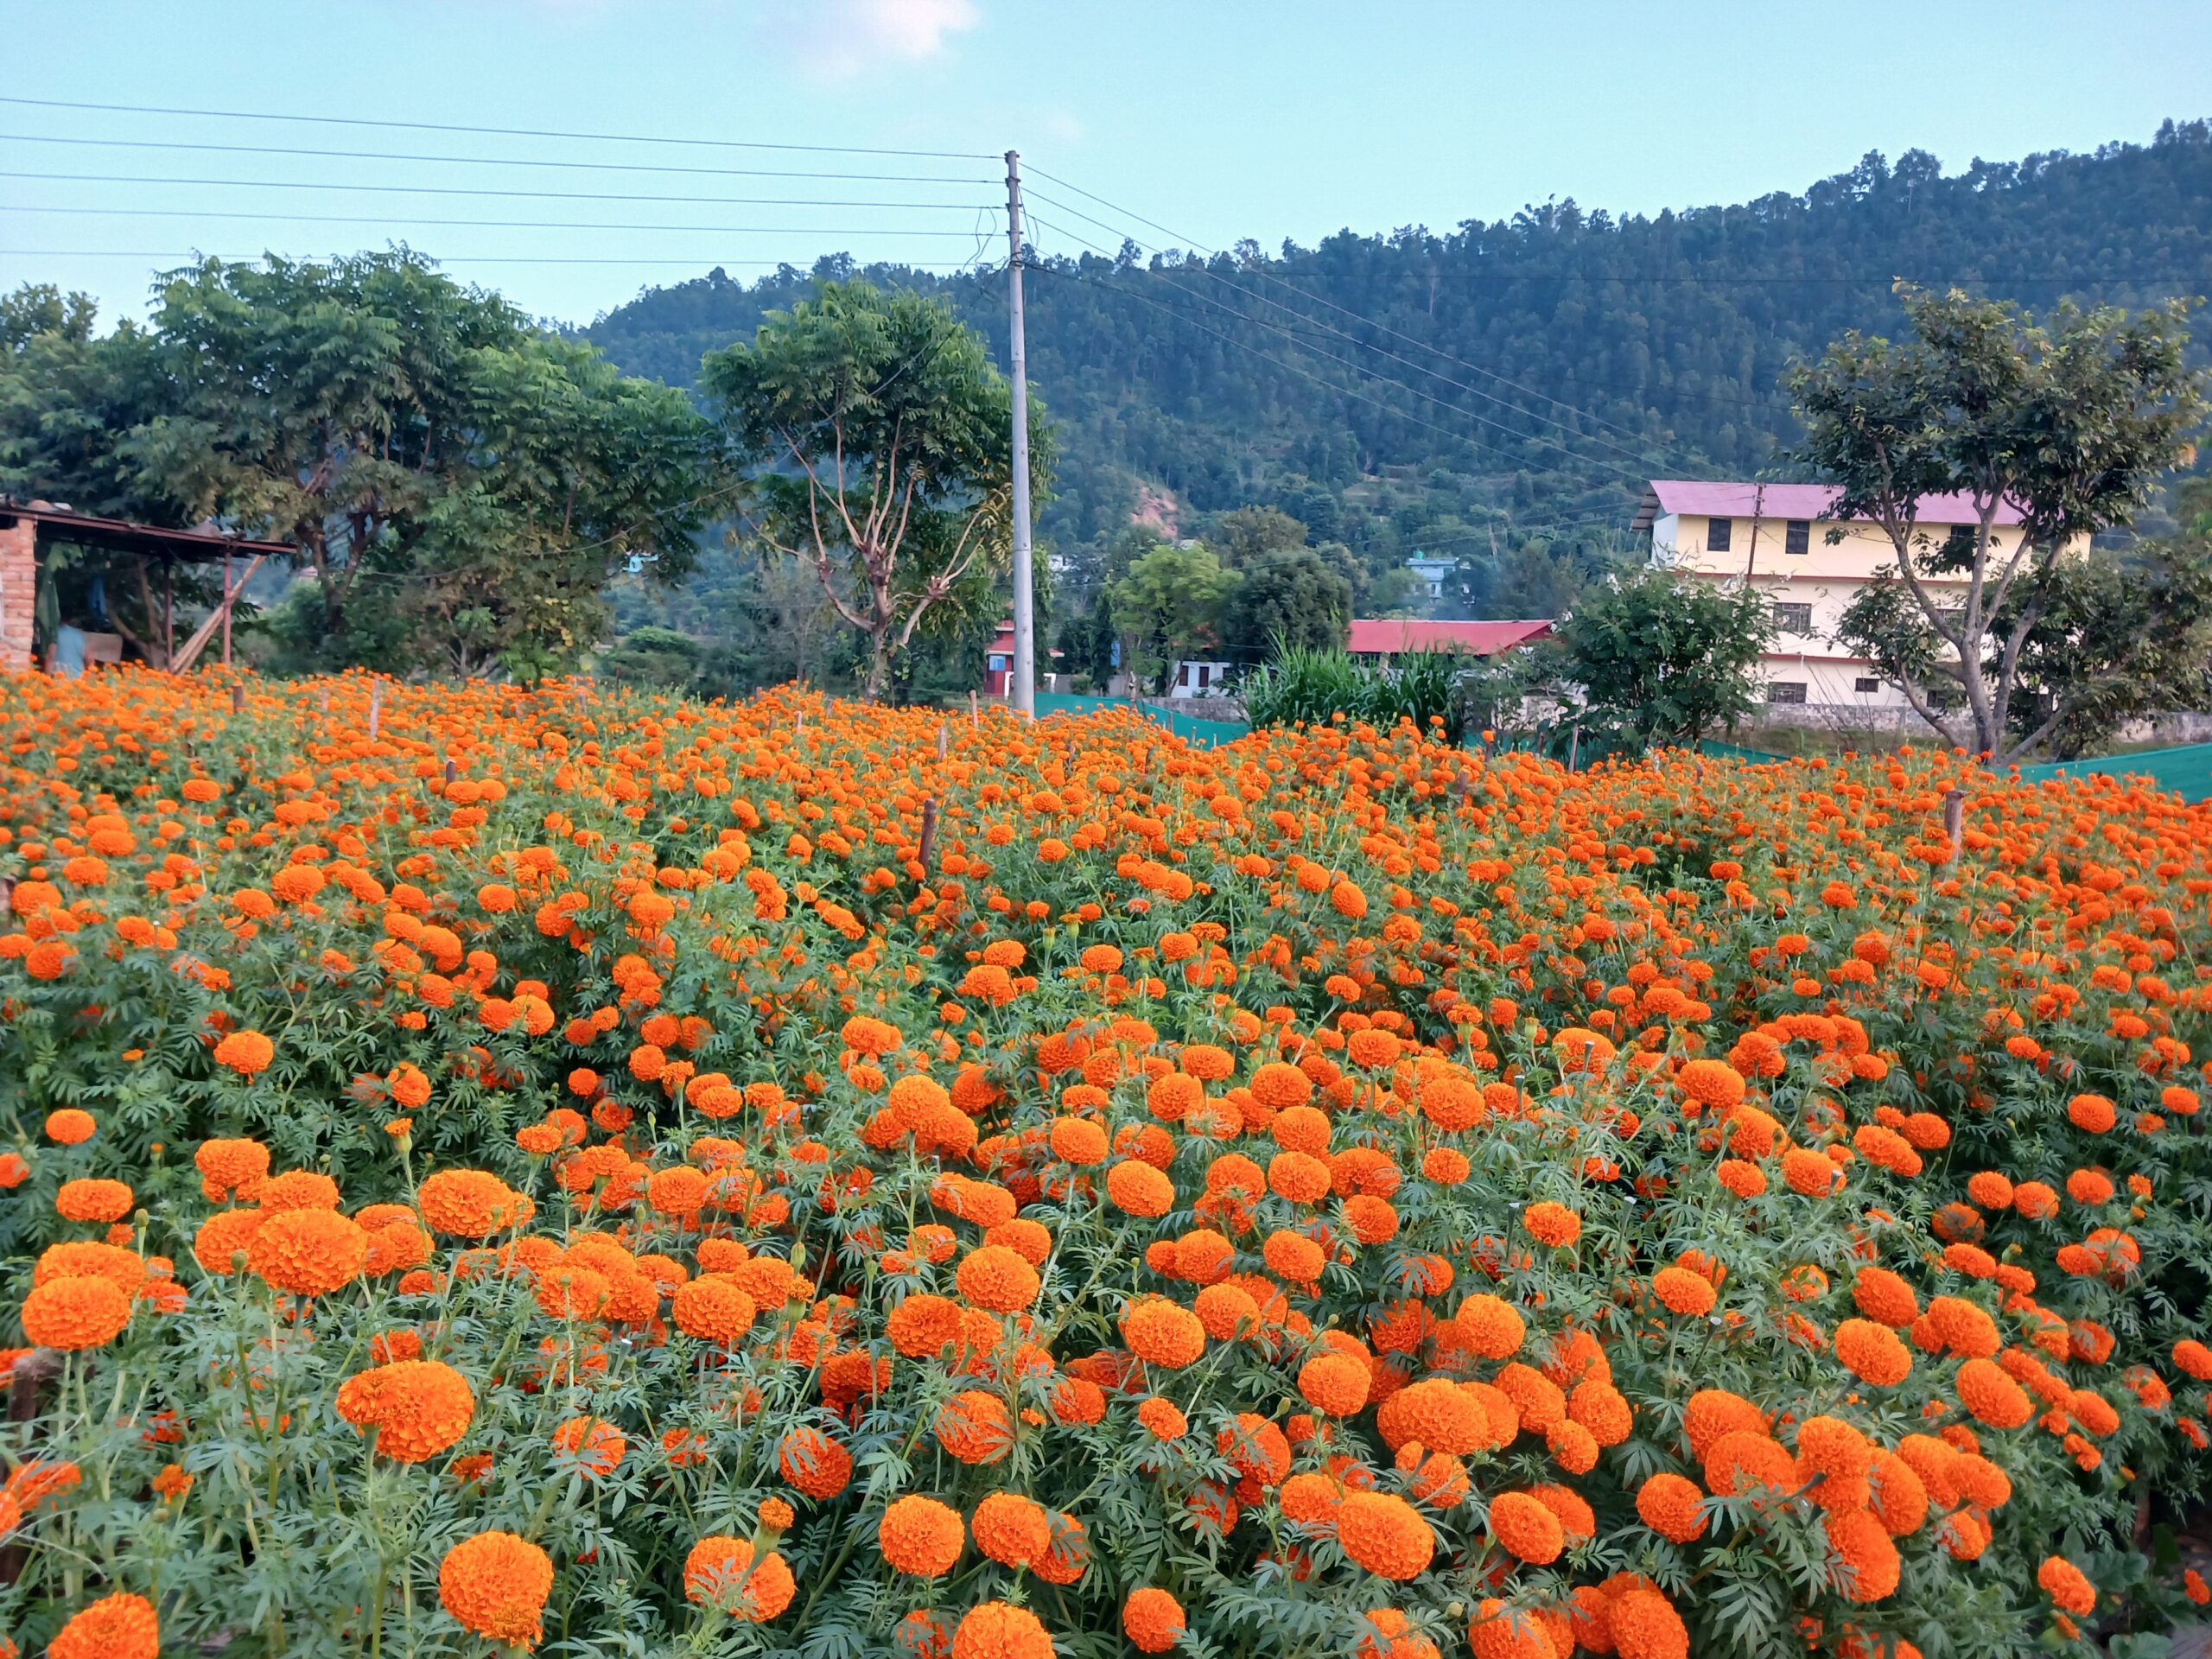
(1389, 635)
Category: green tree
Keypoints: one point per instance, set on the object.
(877, 437)
(70, 398)
(1249, 534)
(421, 444)
(1288, 598)
(2071, 425)
(1660, 659)
(1167, 608)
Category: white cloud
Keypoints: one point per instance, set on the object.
(836, 38)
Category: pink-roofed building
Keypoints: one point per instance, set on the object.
(1387, 636)
(1776, 538)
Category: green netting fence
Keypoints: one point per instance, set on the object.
(1205, 733)
(2185, 771)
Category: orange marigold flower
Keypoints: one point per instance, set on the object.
(1136, 1187)
(230, 1168)
(2066, 1586)
(1335, 1383)
(921, 1537)
(1992, 1396)
(1668, 1504)
(419, 1406)
(996, 1629)
(997, 1279)
(714, 1310)
(975, 1427)
(1165, 1333)
(94, 1200)
(70, 1126)
(1683, 1290)
(1163, 1418)
(120, 1626)
(471, 1203)
(593, 1446)
(1554, 1224)
(1385, 1535)
(817, 1465)
(1714, 1085)
(72, 1314)
(720, 1572)
(495, 1584)
(308, 1252)
(1644, 1626)
(1873, 1353)
(1012, 1529)
(1526, 1527)
(2093, 1113)
(1152, 1619)
(246, 1052)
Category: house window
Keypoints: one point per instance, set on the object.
(1798, 538)
(1785, 690)
(1182, 674)
(1716, 534)
(998, 663)
(1864, 684)
(1793, 619)
(1205, 674)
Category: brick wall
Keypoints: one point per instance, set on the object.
(18, 591)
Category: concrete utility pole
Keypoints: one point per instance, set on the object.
(1023, 686)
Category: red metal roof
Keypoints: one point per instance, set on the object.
(1387, 636)
(1714, 500)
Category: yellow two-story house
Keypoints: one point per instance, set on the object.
(1777, 539)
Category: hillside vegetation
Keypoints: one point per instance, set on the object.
(1534, 370)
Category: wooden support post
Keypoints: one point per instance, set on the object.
(169, 613)
(376, 708)
(226, 607)
(238, 699)
(929, 835)
(974, 713)
(943, 743)
(1954, 820)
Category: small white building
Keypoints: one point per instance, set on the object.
(1775, 538)
(1432, 573)
(1197, 677)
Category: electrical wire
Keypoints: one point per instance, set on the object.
(949, 267)
(1358, 368)
(464, 190)
(1644, 458)
(482, 161)
(499, 132)
(491, 224)
(1342, 392)
(1437, 351)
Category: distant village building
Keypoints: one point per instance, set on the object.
(1776, 538)
(1432, 573)
(1197, 677)
(998, 665)
(1384, 637)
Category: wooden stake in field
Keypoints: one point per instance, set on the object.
(1954, 820)
(376, 708)
(944, 744)
(929, 835)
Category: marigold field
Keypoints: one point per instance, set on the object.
(496, 1169)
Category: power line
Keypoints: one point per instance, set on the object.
(1643, 458)
(692, 263)
(498, 132)
(466, 190)
(1357, 368)
(1342, 392)
(481, 161)
(490, 224)
(1385, 328)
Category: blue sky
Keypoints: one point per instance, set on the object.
(1218, 119)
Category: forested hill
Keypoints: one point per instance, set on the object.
(1446, 392)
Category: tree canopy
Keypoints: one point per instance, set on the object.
(876, 436)
(2071, 427)
(459, 483)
